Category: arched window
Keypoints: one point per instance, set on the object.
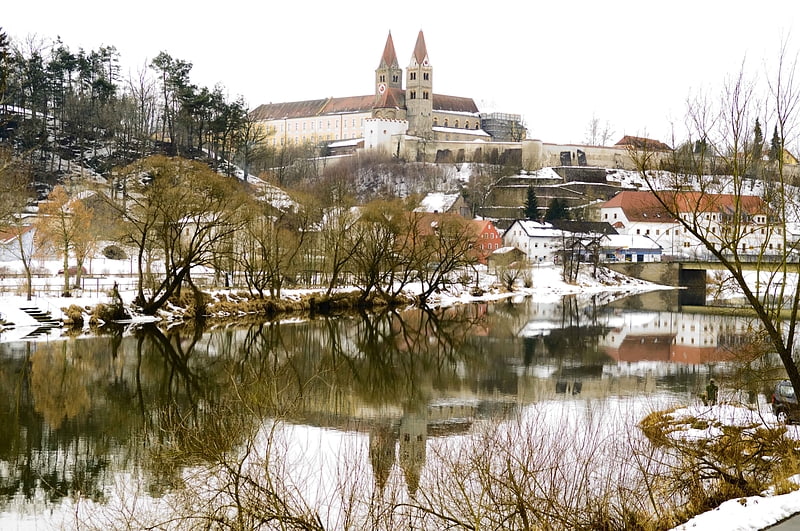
(456, 124)
(466, 124)
(435, 121)
(445, 122)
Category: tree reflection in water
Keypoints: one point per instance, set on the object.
(156, 402)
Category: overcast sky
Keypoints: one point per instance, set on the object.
(558, 63)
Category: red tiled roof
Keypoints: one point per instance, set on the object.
(349, 104)
(645, 206)
(454, 104)
(303, 109)
(392, 98)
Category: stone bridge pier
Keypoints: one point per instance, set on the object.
(691, 277)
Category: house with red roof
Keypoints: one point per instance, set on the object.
(488, 238)
(642, 213)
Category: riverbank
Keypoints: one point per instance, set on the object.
(231, 304)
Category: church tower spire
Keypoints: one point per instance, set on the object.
(388, 75)
(419, 91)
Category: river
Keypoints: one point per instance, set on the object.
(78, 413)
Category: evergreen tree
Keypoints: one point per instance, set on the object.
(775, 147)
(5, 46)
(557, 210)
(758, 142)
(531, 204)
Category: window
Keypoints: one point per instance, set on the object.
(435, 121)
(605, 216)
(413, 94)
(638, 231)
(456, 124)
(466, 124)
(424, 94)
(426, 76)
(445, 122)
(412, 75)
(615, 216)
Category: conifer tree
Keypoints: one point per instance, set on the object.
(557, 210)
(758, 142)
(775, 147)
(531, 204)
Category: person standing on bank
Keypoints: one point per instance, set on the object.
(711, 392)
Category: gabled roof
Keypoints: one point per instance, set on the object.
(392, 98)
(645, 206)
(437, 202)
(389, 57)
(302, 109)
(453, 104)
(536, 229)
(9, 235)
(483, 226)
(639, 142)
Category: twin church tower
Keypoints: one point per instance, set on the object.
(415, 111)
(417, 100)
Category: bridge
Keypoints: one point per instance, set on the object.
(688, 274)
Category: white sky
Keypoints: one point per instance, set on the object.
(631, 63)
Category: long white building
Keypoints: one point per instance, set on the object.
(722, 218)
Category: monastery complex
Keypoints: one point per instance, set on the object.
(404, 116)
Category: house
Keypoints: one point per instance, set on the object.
(504, 257)
(9, 244)
(436, 202)
(641, 213)
(488, 238)
(540, 242)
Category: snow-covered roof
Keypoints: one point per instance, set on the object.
(535, 229)
(346, 143)
(629, 241)
(437, 202)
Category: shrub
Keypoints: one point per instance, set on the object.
(73, 316)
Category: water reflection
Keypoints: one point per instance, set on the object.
(153, 401)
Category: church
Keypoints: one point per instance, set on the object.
(372, 121)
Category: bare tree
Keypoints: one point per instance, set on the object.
(598, 134)
(741, 232)
(183, 210)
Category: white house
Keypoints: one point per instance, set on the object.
(539, 241)
(639, 213)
